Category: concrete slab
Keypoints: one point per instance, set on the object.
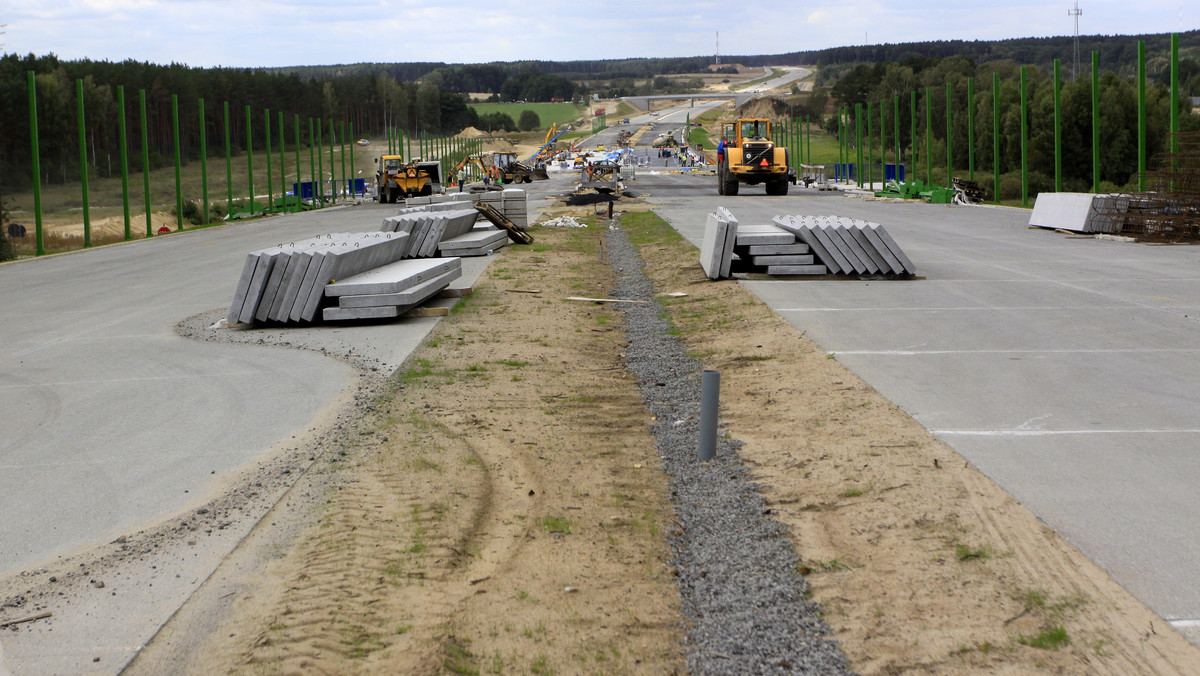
(892, 246)
(796, 270)
(392, 278)
(1063, 210)
(852, 243)
(731, 232)
(844, 243)
(881, 248)
(778, 249)
(414, 294)
(782, 260)
(749, 235)
(712, 249)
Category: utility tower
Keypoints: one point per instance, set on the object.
(718, 48)
(1074, 13)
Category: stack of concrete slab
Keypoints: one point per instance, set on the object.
(848, 245)
(287, 283)
(514, 206)
(1079, 212)
(427, 229)
(483, 240)
(390, 290)
(716, 249)
(513, 203)
(772, 250)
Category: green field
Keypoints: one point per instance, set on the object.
(548, 113)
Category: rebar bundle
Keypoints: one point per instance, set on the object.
(1169, 209)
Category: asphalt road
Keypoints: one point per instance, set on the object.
(1064, 368)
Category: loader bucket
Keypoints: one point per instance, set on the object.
(538, 172)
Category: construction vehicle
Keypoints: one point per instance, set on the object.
(751, 157)
(499, 167)
(666, 140)
(395, 179)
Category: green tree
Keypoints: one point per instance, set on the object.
(529, 121)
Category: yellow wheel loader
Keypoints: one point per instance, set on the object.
(750, 157)
(395, 179)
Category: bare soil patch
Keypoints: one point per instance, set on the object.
(503, 510)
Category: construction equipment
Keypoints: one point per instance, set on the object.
(499, 167)
(603, 175)
(751, 157)
(394, 179)
(666, 140)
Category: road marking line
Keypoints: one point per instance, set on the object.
(1184, 624)
(1055, 308)
(1054, 433)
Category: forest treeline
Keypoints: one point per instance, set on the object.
(429, 97)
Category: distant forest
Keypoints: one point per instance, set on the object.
(429, 97)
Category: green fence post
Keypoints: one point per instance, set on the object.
(178, 163)
(808, 140)
(971, 129)
(353, 171)
(299, 191)
(250, 158)
(949, 135)
(883, 140)
(1141, 117)
(1024, 141)
(1057, 127)
(912, 140)
(1095, 122)
(319, 185)
(123, 140)
(228, 166)
(1174, 92)
(283, 200)
(270, 177)
(204, 161)
(929, 135)
(145, 162)
(870, 146)
(345, 186)
(996, 137)
(35, 156)
(858, 149)
(83, 169)
(312, 163)
(332, 166)
(896, 132)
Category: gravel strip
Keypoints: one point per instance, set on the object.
(743, 599)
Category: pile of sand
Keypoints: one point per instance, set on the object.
(471, 132)
(763, 107)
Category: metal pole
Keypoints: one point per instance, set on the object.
(896, 124)
(996, 137)
(883, 140)
(283, 201)
(971, 129)
(332, 166)
(35, 156)
(312, 163)
(250, 158)
(353, 174)
(1141, 89)
(123, 139)
(710, 399)
(345, 186)
(858, 151)
(83, 171)
(319, 185)
(870, 147)
(912, 122)
(1095, 122)
(178, 163)
(1057, 127)
(228, 166)
(929, 135)
(145, 162)
(204, 161)
(949, 135)
(1174, 92)
(1024, 141)
(270, 177)
(298, 190)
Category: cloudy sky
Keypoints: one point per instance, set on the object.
(307, 32)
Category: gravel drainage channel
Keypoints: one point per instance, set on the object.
(744, 603)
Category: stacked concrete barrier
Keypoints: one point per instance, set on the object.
(848, 245)
(390, 290)
(286, 283)
(438, 232)
(513, 203)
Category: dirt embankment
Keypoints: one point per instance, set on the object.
(504, 510)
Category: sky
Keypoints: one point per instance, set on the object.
(250, 33)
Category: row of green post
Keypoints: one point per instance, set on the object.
(277, 198)
(851, 128)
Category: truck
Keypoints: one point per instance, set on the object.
(396, 179)
(751, 157)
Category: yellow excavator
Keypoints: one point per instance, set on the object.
(395, 179)
(500, 167)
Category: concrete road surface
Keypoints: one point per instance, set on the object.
(112, 422)
(1065, 368)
